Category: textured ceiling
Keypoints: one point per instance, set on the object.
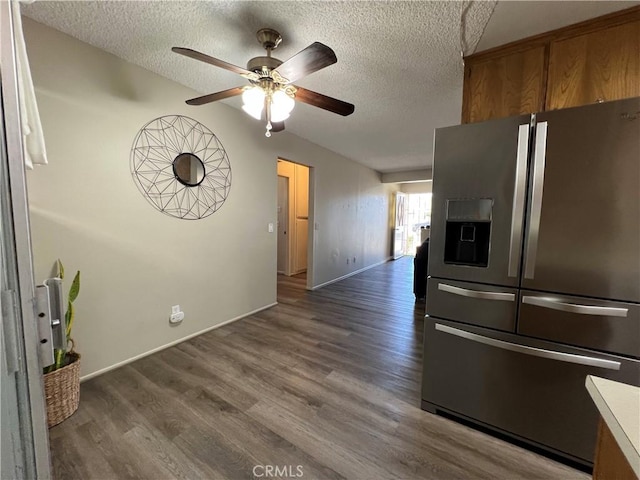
(398, 62)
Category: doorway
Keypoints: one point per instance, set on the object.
(295, 213)
(400, 227)
(418, 218)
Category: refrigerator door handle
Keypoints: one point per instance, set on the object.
(464, 292)
(539, 160)
(533, 351)
(517, 212)
(575, 308)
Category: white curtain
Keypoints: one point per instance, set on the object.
(33, 139)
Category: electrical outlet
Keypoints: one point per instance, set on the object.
(176, 315)
(270, 227)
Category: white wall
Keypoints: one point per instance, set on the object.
(416, 187)
(421, 175)
(136, 262)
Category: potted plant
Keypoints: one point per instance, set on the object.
(62, 379)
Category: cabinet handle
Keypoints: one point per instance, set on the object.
(533, 351)
(463, 292)
(575, 308)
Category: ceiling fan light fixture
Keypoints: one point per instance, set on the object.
(279, 102)
(277, 116)
(253, 110)
(253, 100)
(281, 105)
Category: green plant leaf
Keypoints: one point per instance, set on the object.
(75, 288)
(59, 355)
(60, 270)
(68, 318)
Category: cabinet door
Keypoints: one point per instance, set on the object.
(595, 67)
(505, 86)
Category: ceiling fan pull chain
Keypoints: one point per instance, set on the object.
(267, 111)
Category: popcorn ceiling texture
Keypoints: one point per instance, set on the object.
(398, 62)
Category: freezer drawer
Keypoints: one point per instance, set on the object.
(585, 322)
(473, 303)
(530, 388)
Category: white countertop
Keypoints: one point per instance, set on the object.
(619, 406)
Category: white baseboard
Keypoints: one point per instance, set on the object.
(171, 344)
(316, 287)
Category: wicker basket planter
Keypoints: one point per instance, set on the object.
(62, 390)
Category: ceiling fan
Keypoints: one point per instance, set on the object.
(272, 93)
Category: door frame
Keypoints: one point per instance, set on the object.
(310, 223)
(401, 201)
(33, 434)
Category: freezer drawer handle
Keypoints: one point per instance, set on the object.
(517, 211)
(463, 292)
(539, 160)
(575, 308)
(536, 352)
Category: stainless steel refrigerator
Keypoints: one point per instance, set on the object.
(534, 271)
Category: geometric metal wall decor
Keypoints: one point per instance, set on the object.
(180, 167)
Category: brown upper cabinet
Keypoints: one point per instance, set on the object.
(593, 61)
(507, 85)
(595, 67)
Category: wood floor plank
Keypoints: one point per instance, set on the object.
(153, 447)
(265, 446)
(75, 458)
(328, 380)
(301, 431)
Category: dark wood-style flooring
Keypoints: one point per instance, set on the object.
(326, 384)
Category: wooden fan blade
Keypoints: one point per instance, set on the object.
(212, 97)
(187, 52)
(327, 103)
(277, 127)
(313, 58)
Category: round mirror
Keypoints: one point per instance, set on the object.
(188, 169)
(175, 181)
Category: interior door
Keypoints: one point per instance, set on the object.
(24, 444)
(283, 224)
(584, 234)
(479, 181)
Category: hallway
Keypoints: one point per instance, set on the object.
(328, 381)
